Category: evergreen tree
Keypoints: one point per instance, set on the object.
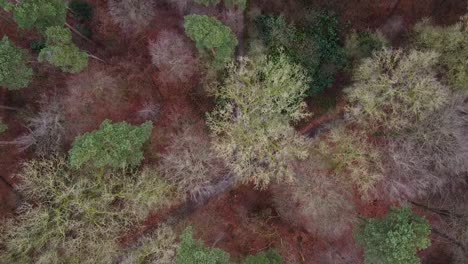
(14, 73)
(396, 238)
(213, 39)
(192, 251)
(39, 14)
(61, 52)
(112, 145)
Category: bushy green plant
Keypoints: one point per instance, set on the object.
(3, 127)
(360, 45)
(39, 14)
(74, 216)
(266, 257)
(192, 251)
(241, 4)
(396, 238)
(61, 52)
(353, 159)
(258, 100)
(37, 45)
(394, 90)
(315, 44)
(81, 9)
(214, 41)
(14, 71)
(111, 146)
(452, 44)
(207, 2)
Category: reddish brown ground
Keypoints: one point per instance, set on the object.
(244, 222)
(241, 221)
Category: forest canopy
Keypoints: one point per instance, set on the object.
(234, 131)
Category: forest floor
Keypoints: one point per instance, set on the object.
(242, 220)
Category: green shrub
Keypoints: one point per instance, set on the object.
(82, 10)
(315, 45)
(258, 100)
(266, 257)
(3, 127)
(192, 251)
(241, 4)
(78, 217)
(214, 41)
(207, 2)
(61, 52)
(112, 145)
(40, 14)
(396, 238)
(452, 44)
(395, 90)
(14, 71)
(37, 45)
(360, 45)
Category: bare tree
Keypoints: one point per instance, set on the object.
(191, 165)
(131, 15)
(316, 201)
(149, 111)
(171, 53)
(431, 157)
(45, 130)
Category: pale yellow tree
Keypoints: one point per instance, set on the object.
(258, 101)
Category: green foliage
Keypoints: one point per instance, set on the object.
(40, 14)
(14, 73)
(361, 45)
(37, 45)
(396, 238)
(316, 45)
(213, 39)
(267, 257)
(112, 145)
(207, 2)
(78, 217)
(61, 52)
(241, 4)
(192, 251)
(3, 127)
(258, 101)
(82, 10)
(452, 44)
(395, 90)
